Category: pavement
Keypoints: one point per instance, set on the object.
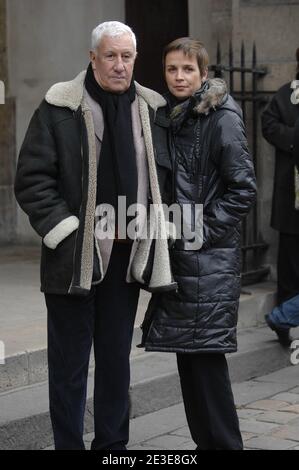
(265, 384)
(268, 410)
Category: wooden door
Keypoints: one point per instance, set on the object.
(155, 23)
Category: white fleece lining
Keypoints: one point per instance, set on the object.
(88, 237)
(161, 273)
(61, 231)
(67, 94)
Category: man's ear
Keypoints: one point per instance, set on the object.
(92, 58)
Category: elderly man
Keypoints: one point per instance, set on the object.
(91, 142)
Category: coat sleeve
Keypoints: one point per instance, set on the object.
(232, 159)
(275, 131)
(296, 143)
(36, 184)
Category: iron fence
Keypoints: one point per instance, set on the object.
(243, 82)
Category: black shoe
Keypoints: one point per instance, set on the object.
(283, 334)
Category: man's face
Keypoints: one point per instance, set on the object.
(113, 63)
(182, 74)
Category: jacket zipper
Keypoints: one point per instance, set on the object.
(173, 152)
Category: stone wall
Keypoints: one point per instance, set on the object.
(7, 144)
(210, 21)
(48, 42)
(3, 47)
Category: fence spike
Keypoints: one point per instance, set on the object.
(231, 54)
(254, 55)
(242, 54)
(218, 59)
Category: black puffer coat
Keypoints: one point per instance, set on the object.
(201, 316)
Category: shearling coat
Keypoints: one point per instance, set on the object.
(212, 167)
(56, 186)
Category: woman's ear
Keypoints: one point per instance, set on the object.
(205, 75)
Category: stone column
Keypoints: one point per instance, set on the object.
(7, 143)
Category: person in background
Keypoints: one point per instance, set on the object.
(284, 317)
(280, 127)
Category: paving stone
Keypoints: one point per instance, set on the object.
(269, 443)
(295, 422)
(256, 427)
(157, 423)
(287, 432)
(251, 390)
(248, 435)
(288, 397)
(291, 409)
(268, 404)
(288, 375)
(167, 441)
(278, 417)
(140, 447)
(248, 413)
(184, 431)
(189, 445)
(294, 390)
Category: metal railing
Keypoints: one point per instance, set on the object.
(242, 82)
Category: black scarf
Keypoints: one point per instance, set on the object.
(117, 170)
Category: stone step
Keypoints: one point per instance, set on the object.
(24, 334)
(24, 418)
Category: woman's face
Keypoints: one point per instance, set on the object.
(182, 74)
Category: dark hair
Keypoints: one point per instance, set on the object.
(190, 47)
(297, 57)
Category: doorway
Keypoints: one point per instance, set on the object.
(155, 23)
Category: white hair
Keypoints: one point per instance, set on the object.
(112, 29)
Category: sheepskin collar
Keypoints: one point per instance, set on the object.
(70, 94)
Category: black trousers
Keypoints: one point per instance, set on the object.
(209, 402)
(106, 318)
(287, 267)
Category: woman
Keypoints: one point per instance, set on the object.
(211, 166)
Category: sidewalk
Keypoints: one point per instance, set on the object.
(158, 419)
(23, 310)
(22, 305)
(268, 409)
